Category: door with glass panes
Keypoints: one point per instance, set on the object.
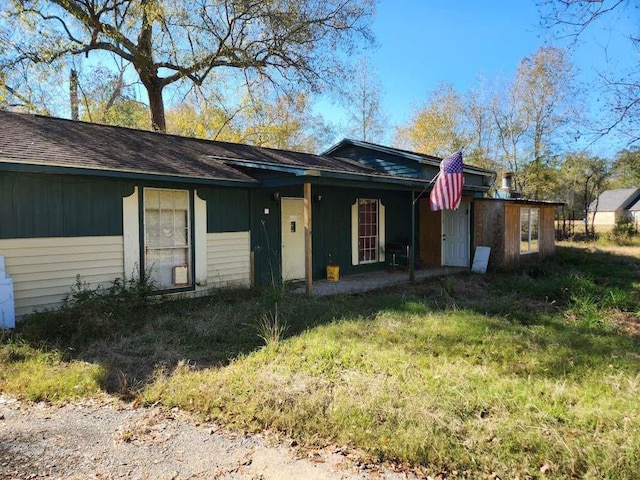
(167, 238)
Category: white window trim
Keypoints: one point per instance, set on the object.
(529, 250)
(200, 238)
(355, 258)
(131, 236)
(189, 246)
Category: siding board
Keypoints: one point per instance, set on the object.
(512, 235)
(489, 225)
(44, 206)
(227, 209)
(44, 269)
(547, 231)
(228, 258)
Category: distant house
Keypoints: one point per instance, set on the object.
(613, 205)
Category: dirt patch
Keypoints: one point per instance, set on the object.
(108, 439)
(628, 323)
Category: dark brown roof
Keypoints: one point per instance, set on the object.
(54, 142)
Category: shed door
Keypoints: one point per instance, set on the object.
(455, 236)
(292, 238)
(167, 237)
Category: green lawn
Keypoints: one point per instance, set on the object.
(504, 374)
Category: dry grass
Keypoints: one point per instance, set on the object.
(482, 375)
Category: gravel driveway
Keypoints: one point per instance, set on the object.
(108, 439)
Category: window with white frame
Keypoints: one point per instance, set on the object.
(368, 231)
(529, 230)
(167, 237)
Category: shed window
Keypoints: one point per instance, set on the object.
(368, 231)
(529, 230)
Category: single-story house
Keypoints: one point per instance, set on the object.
(107, 202)
(613, 205)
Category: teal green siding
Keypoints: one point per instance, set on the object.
(331, 231)
(37, 205)
(227, 209)
(332, 226)
(266, 235)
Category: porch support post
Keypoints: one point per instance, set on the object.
(308, 256)
(412, 273)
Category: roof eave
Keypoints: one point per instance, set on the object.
(337, 175)
(526, 201)
(8, 165)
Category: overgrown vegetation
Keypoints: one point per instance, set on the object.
(623, 231)
(470, 376)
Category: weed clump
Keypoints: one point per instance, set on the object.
(271, 328)
(90, 313)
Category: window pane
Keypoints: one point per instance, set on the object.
(524, 230)
(534, 223)
(151, 199)
(367, 230)
(181, 200)
(166, 199)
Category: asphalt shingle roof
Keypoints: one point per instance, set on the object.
(612, 200)
(424, 158)
(38, 140)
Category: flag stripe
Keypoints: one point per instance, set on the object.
(447, 191)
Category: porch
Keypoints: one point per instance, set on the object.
(365, 282)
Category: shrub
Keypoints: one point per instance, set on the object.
(623, 231)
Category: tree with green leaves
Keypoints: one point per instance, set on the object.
(33, 88)
(544, 86)
(625, 171)
(172, 42)
(581, 179)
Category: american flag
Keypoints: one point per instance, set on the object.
(447, 191)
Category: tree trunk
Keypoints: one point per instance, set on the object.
(73, 95)
(156, 105)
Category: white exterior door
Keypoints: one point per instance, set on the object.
(455, 236)
(292, 239)
(167, 238)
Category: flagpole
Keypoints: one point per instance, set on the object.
(426, 186)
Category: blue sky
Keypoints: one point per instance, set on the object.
(424, 42)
